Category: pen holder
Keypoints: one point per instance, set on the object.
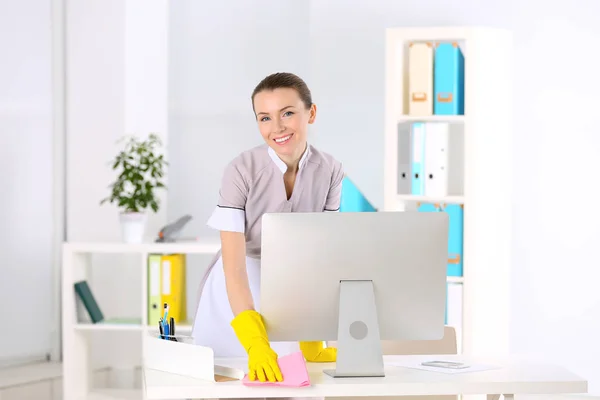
(183, 357)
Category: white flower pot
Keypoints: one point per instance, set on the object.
(133, 226)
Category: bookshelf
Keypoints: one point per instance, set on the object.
(76, 335)
(480, 140)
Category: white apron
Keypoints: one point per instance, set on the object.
(212, 323)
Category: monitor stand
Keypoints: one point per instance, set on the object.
(359, 343)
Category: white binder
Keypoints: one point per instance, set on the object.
(436, 160)
(420, 79)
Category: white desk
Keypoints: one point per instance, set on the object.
(515, 377)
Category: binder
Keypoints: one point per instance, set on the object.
(428, 207)
(436, 160)
(455, 234)
(404, 150)
(448, 76)
(89, 301)
(420, 78)
(154, 282)
(173, 286)
(417, 158)
(455, 239)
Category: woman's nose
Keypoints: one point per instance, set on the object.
(279, 127)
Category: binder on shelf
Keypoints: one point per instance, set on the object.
(449, 72)
(404, 175)
(455, 239)
(173, 287)
(428, 207)
(436, 160)
(417, 158)
(420, 79)
(89, 301)
(455, 234)
(155, 306)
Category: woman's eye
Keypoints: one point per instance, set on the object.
(288, 113)
(264, 119)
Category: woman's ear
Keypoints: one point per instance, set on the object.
(312, 113)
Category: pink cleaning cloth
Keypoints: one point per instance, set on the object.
(293, 369)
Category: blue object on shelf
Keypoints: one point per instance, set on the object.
(455, 234)
(352, 199)
(455, 239)
(448, 80)
(418, 132)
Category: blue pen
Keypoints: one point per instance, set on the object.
(166, 308)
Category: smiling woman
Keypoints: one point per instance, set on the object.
(286, 174)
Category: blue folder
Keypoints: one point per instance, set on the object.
(455, 239)
(455, 235)
(448, 80)
(352, 198)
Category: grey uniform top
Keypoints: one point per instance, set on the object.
(252, 185)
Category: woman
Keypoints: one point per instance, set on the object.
(285, 174)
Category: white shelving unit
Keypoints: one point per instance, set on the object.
(484, 134)
(76, 266)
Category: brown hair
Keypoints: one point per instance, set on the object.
(284, 80)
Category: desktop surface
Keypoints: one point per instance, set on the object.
(514, 376)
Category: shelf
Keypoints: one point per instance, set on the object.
(200, 247)
(431, 199)
(451, 119)
(108, 326)
(111, 325)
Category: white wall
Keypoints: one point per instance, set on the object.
(116, 85)
(555, 300)
(26, 147)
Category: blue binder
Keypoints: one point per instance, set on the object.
(352, 200)
(455, 239)
(417, 159)
(455, 235)
(428, 207)
(448, 80)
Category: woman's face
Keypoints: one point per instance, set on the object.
(283, 121)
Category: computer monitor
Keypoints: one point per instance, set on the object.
(357, 278)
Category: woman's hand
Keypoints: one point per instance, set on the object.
(262, 359)
(316, 352)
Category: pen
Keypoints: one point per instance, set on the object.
(166, 308)
(160, 328)
(172, 328)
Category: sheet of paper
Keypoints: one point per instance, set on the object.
(416, 364)
(293, 369)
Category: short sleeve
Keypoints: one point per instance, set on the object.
(229, 213)
(334, 196)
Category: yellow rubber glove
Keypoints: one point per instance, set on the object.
(252, 334)
(316, 352)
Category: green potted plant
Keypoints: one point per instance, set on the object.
(141, 171)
